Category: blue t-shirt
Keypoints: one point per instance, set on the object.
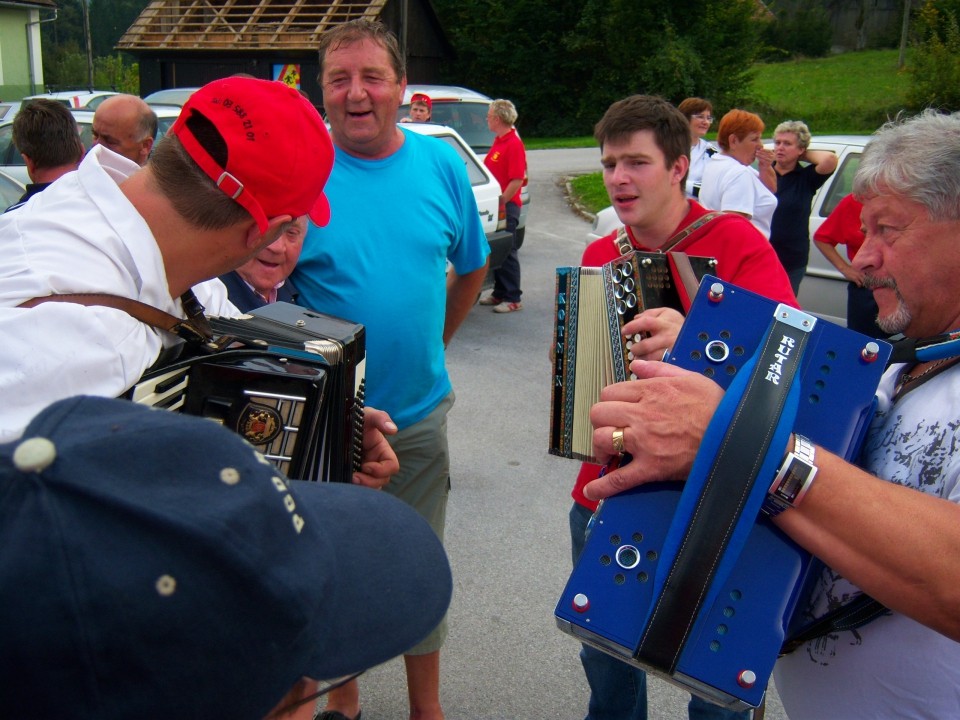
(382, 261)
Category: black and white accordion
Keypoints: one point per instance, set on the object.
(688, 580)
(589, 351)
(288, 379)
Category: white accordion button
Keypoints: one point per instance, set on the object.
(34, 455)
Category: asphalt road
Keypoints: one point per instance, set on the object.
(507, 534)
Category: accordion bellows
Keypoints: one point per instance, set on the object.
(589, 351)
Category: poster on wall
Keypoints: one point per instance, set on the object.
(289, 74)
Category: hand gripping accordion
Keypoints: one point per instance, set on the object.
(687, 580)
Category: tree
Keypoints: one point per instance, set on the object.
(564, 62)
(935, 71)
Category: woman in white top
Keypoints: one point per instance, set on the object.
(729, 183)
(699, 113)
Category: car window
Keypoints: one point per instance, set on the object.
(467, 118)
(8, 151)
(10, 192)
(474, 172)
(842, 184)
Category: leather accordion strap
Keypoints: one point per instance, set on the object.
(195, 328)
(748, 420)
(856, 613)
(675, 243)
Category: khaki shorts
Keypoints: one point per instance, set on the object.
(424, 483)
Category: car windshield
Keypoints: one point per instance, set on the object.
(467, 118)
(173, 96)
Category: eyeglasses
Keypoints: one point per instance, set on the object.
(708, 118)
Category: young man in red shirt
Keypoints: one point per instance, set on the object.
(645, 153)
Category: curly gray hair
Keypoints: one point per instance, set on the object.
(917, 158)
(798, 128)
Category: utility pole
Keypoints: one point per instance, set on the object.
(89, 41)
(903, 34)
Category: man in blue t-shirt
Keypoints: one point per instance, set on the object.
(401, 207)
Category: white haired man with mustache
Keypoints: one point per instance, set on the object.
(888, 526)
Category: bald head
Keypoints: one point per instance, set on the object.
(126, 125)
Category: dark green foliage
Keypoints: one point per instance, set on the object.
(935, 70)
(65, 50)
(804, 31)
(563, 62)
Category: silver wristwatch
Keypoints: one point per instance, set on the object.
(793, 479)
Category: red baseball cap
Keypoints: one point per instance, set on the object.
(277, 151)
(421, 98)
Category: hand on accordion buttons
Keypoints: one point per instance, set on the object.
(664, 415)
(379, 462)
(658, 328)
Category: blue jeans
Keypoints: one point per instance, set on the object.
(618, 691)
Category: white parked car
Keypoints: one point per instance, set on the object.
(76, 99)
(824, 290)
(12, 163)
(466, 112)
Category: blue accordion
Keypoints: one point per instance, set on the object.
(678, 578)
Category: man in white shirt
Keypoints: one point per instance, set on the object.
(215, 192)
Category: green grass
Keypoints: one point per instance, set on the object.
(852, 93)
(849, 94)
(558, 143)
(588, 190)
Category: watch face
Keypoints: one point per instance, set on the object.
(795, 479)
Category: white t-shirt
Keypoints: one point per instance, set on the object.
(729, 186)
(81, 234)
(892, 667)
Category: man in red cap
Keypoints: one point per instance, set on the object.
(245, 158)
(421, 108)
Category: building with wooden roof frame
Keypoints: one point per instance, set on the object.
(186, 43)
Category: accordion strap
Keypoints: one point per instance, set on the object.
(853, 615)
(723, 494)
(675, 244)
(195, 328)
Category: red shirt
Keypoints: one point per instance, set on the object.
(843, 227)
(744, 258)
(507, 160)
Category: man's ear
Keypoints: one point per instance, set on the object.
(680, 167)
(255, 240)
(31, 165)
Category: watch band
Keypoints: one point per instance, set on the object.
(793, 479)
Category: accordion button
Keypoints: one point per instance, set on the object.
(581, 603)
(747, 678)
(34, 455)
(870, 352)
